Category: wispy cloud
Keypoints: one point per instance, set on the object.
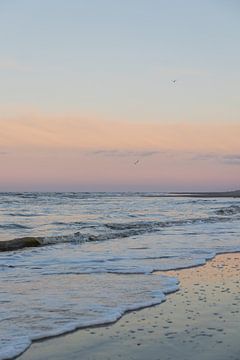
(231, 159)
(104, 138)
(224, 158)
(123, 153)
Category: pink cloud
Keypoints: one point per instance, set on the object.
(36, 131)
(74, 152)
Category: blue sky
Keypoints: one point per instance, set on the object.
(82, 81)
(117, 58)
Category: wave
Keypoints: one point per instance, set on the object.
(23, 214)
(230, 210)
(82, 224)
(161, 224)
(110, 231)
(153, 292)
(14, 226)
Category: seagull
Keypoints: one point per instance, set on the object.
(174, 81)
(136, 162)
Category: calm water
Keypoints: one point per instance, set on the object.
(99, 251)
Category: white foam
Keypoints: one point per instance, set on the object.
(78, 281)
(14, 346)
(75, 302)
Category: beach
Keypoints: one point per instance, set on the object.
(120, 180)
(128, 275)
(200, 321)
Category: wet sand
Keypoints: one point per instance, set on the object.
(201, 322)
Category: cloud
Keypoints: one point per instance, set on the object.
(123, 153)
(39, 132)
(231, 159)
(224, 158)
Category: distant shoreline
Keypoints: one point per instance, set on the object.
(205, 194)
(224, 194)
(209, 194)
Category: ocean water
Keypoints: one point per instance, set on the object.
(97, 256)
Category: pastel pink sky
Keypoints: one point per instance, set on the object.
(47, 152)
(87, 88)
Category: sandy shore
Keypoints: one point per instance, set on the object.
(201, 322)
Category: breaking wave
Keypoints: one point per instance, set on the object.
(230, 210)
(111, 230)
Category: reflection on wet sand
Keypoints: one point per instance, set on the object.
(200, 320)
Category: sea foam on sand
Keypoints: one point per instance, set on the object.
(201, 320)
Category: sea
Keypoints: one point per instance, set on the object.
(99, 256)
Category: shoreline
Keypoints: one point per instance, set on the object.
(210, 194)
(138, 333)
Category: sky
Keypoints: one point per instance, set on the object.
(86, 90)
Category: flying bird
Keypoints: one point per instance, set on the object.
(136, 162)
(174, 81)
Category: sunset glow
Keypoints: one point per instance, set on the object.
(84, 94)
(96, 153)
